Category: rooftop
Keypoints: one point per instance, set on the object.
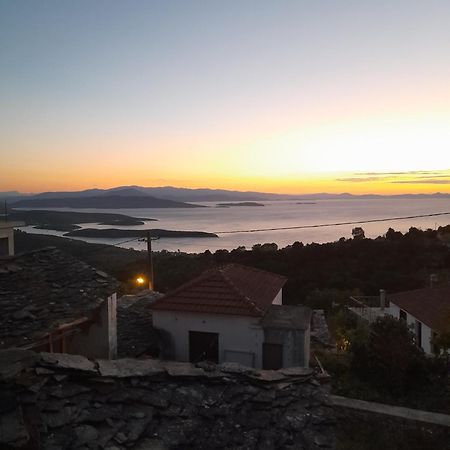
(232, 289)
(430, 305)
(43, 289)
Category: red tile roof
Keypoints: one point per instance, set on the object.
(232, 289)
(430, 306)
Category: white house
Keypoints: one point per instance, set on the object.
(7, 237)
(234, 314)
(426, 311)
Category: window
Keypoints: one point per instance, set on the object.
(402, 315)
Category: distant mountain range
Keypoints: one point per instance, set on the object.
(166, 197)
(95, 198)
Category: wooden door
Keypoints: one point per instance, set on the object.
(272, 356)
(203, 346)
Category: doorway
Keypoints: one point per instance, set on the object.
(203, 346)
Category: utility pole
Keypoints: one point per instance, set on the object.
(150, 262)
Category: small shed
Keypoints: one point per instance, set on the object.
(286, 336)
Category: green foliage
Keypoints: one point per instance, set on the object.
(389, 359)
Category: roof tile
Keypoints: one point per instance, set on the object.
(232, 289)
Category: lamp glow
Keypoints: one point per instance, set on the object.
(140, 280)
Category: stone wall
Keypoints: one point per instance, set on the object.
(59, 401)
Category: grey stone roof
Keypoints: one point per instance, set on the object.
(42, 289)
(288, 317)
(135, 333)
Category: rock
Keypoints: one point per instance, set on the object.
(68, 389)
(12, 429)
(231, 367)
(66, 361)
(297, 372)
(179, 369)
(123, 368)
(86, 434)
(64, 416)
(14, 361)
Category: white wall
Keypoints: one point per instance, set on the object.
(278, 300)
(100, 339)
(394, 310)
(8, 233)
(240, 338)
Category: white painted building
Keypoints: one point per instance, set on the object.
(233, 314)
(425, 311)
(7, 237)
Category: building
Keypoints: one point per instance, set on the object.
(234, 314)
(50, 301)
(7, 237)
(426, 311)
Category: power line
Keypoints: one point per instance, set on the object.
(323, 225)
(106, 246)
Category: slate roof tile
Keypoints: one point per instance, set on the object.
(44, 288)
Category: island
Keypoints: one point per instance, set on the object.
(113, 233)
(228, 205)
(69, 220)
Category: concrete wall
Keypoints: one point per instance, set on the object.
(8, 233)
(240, 338)
(296, 345)
(99, 340)
(427, 334)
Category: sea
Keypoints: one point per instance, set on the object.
(234, 224)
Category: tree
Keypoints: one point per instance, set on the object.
(390, 360)
(358, 233)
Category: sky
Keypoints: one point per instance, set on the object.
(280, 96)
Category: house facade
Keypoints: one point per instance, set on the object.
(426, 312)
(233, 314)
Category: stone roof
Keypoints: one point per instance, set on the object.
(287, 317)
(232, 289)
(43, 289)
(430, 305)
(135, 333)
(62, 402)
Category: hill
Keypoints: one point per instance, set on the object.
(103, 201)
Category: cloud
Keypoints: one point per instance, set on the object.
(410, 172)
(422, 181)
(406, 177)
(361, 179)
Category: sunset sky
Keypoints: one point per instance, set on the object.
(281, 96)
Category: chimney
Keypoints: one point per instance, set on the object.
(433, 280)
(382, 299)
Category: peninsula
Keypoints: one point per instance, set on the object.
(113, 233)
